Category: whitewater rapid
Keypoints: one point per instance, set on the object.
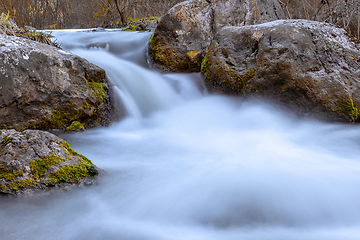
(188, 165)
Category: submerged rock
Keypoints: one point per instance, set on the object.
(43, 87)
(35, 160)
(307, 64)
(183, 35)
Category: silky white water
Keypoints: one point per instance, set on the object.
(187, 165)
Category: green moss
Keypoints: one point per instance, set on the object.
(241, 80)
(39, 166)
(9, 174)
(68, 173)
(6, 141)
(59, 119)
(204, 67)
(32, 125)
(20, 184)
(151, 19)
(75, 125)
(98, 90)
(132, 27)
(152, 38)
(155, 48)
(165, 56)
(80, 89)
(87, 105)
(74, 153)
(349, 110)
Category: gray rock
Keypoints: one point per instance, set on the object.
(44, 87)
(307, 64)
(182, 36)
(35, 160)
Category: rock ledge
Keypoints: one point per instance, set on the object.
(35, 161)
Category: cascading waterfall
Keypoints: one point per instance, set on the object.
(189, 165)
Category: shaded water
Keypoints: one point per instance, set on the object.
(189, 165)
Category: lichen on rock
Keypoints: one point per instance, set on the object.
(35, 161)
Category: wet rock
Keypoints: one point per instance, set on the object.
(307, 64)
(43, 87)
(35, 160)
(189, 27)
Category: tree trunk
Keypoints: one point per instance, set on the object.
(120, 13)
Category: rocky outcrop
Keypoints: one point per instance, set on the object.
(183, 35)
(311, 65)
(43, 87)
(35, 160)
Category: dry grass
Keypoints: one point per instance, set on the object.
(9, 27)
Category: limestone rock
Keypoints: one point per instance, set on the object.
(43, 87)
(37, 160)
(188, 28)
(307, 64)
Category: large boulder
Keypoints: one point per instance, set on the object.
(183, 34)
(35, 160)
(312, 65)
(44, 87)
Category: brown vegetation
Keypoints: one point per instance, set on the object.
(43, 14)
(9, 27)
(342, 13)
(49, 14)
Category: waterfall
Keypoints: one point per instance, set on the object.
(185, 164)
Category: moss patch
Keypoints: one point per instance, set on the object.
(32, 125)
(98, 90)
(155, 49)
(49, 170)
(59, 119)
(39, 166)
(72, 173)
(74, 153)
(20, 184)
(9, 174)
(166, 56)
(17, 185)
(6, 140)
(204, 67)
(75, 125)
(241, 80)
(68, 173)
(349, 110)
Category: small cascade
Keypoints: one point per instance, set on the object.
(187, 165)
(141, 89)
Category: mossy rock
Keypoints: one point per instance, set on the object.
(33, 97)
(36, 161)
(310, 67)
(189, 27)
(75, 126)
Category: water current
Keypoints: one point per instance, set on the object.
(188, 165)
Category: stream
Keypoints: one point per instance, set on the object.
(188, 165)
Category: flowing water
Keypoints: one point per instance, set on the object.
(188, 165)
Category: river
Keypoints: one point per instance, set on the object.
(188, 165)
